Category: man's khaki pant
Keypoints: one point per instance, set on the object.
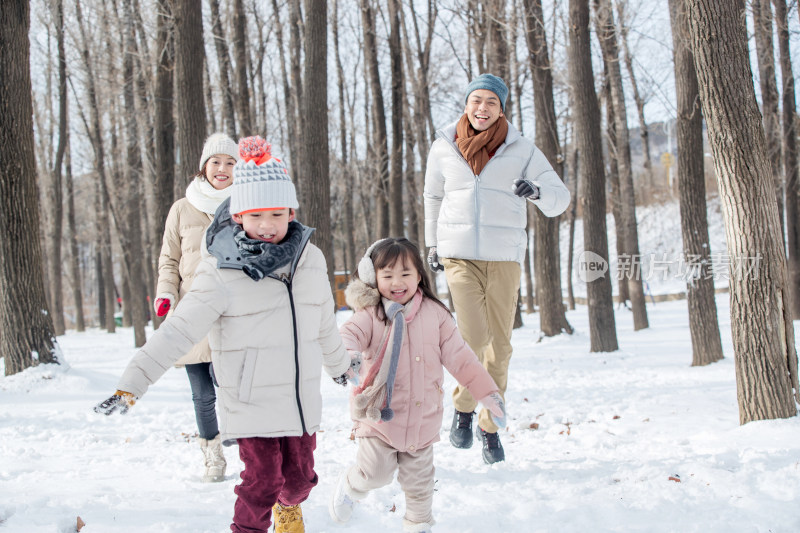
(375, 465)
(485, 299)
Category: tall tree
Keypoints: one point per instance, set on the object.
(317, 211)
(607, 35)
(379, 141)
(164, 124)
(191, 108)
(761, 321)
(789, 156)
(240, 53)
(224, 65)
(602, 325)
(27, 336)
(547, 269)
(765, 52)
(396, 168)
(72, 240)
(703, 323)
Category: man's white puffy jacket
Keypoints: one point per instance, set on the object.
(480, 217)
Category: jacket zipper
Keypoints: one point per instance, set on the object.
(288, 285)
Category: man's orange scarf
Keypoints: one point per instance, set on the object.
(478, 147)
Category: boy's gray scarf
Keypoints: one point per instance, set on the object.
(260, 258)
(379, 382)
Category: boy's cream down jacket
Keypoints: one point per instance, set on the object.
(269, 342)
(180, 255)
(479, 217)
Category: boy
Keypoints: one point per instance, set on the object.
(261, 293)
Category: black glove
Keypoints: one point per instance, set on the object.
(119, 402)
(525, 189)
(433, 261)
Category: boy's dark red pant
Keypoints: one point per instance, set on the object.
(275, 469)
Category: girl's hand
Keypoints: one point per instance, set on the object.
(495, 404)
(120, 402)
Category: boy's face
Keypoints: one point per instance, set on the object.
(267, 226)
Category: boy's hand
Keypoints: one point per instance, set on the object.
(495, 404)
(163, 304)
(119, 402)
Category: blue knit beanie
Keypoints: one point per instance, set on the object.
(492, 83)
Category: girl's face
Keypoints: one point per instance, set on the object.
(219, 171)
(398, 282)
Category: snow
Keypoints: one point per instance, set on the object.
(613, 429)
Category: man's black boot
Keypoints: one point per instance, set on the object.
(492, 449)
(461, 430)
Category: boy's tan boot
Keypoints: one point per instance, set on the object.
(288, 519)
(214, 460)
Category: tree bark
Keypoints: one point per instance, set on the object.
(295, 53)
(547, 264)
(607, 35)
(224, 63)
(602, 325)
(396, 158)
(240, 53)
(765, 52)
(317, 211)
(191, 109)
(379, 140)
(28, 337)
(703, 323)
(72, 240)
(761, 321)
(789, 156)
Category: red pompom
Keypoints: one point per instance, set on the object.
(255, 149)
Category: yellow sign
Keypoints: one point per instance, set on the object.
(667, 159)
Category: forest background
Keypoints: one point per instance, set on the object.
(124, 92)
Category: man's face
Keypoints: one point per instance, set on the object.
(483, 109)
(267, 226)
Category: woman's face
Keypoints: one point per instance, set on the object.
(219, 171)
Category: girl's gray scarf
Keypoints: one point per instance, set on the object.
(260, 258)
(379, 382)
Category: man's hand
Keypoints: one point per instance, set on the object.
(433, 261)
(119, 402)
(525, 189)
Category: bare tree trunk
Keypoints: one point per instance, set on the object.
(240, 53)
(72, 240)
(644, 131)
(315, 111)
(765, 52)
(27, 338)
(224, 64)
(790, 157)
(379, 140)
(396, 167)
(607, 35)
(703, 323)
(761, 321)
(602, 324)
(191, 109)
(288, 97)
(295, 52)
(572, 183)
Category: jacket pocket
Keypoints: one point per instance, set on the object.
(248, 371)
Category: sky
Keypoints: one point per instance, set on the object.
(633, 440)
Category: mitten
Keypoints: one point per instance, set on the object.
(525, 189)
(163, 304)
(433, 260)
(495, 404)
(120, 402)
(352, 373)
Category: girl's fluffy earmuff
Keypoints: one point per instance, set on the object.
(366, 269)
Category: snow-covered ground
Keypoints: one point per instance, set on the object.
(635, 440)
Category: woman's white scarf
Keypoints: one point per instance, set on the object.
(376, 390)
(202, 195)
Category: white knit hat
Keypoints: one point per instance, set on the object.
(218, 143)
(259, 180)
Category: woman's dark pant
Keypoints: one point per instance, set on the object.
(204, 397)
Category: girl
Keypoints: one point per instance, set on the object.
(180, 253)
(404, 336)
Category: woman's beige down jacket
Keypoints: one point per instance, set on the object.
(180, 255)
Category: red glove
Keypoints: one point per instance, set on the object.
(162, 306)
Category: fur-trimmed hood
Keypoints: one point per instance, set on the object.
(359, 295)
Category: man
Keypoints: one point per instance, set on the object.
(481, 173)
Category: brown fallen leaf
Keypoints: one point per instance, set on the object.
(616, 417)
(80, 524)
(393, 509)
(534, 425)
(676, 478)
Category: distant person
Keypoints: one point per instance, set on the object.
(480, 173)
(403, 336)
(187, 220)
(261, 293)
